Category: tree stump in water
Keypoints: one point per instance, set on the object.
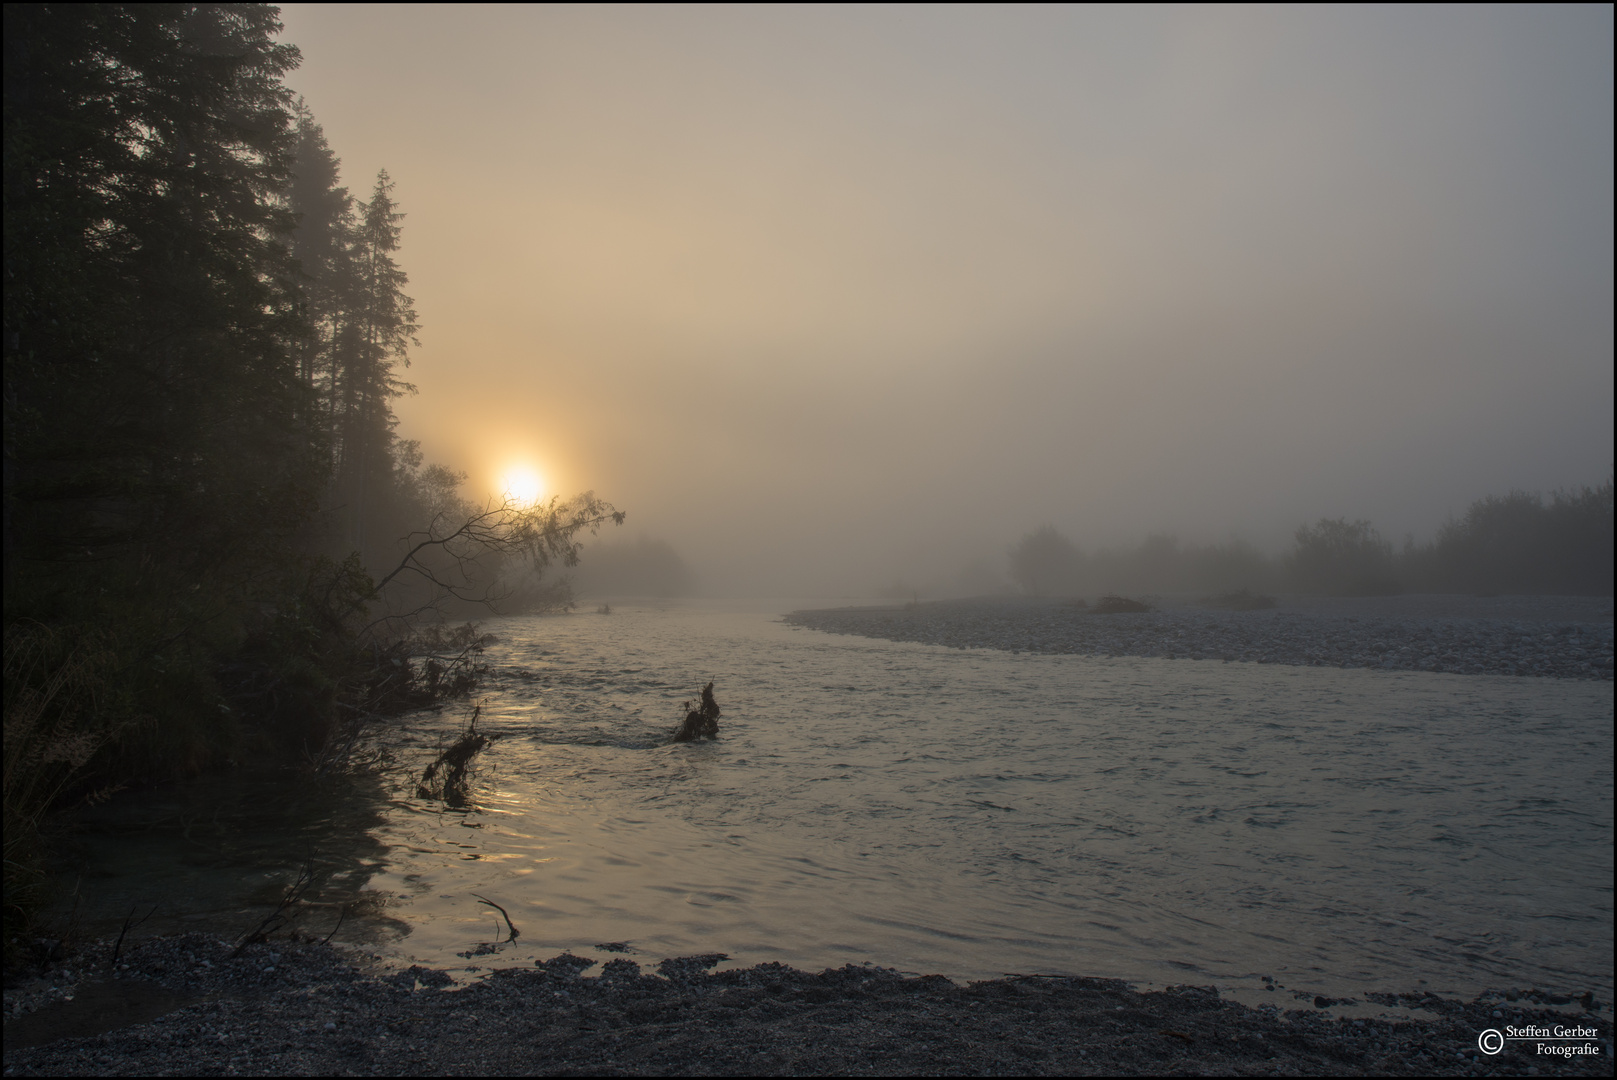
(701, 720)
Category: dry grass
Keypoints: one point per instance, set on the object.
(54, 723)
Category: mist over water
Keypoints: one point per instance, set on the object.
(829, 298)
(1089, 307)
(973, 813)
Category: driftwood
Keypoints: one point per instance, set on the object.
(701, 720)
(446, 778)
(509, 925)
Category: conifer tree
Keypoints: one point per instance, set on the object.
(381, 327)
(322, 245)
(161, 453)
(152, 405)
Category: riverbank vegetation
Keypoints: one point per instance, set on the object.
(1518, 543)
(216, 544)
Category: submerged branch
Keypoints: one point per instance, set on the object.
(509, 925)
(447, 777)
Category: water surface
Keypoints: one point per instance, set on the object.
(965, 812)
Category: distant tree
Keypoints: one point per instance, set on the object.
(361, 327)
(1045, 562)
(1518, 543)
(1342, 558)
(426, 492)
(1581, 538)
(1162, 563)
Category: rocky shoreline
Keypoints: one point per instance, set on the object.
(1552, 637)
(185, 1006)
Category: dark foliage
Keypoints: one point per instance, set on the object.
(215, 545)
(161, 458)
(153, 410)
(1522, 543)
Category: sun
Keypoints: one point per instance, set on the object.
(522, 485)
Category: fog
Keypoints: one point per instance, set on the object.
(829, 299)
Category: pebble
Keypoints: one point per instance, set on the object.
(691, 1019)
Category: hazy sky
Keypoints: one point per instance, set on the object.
(826, 297)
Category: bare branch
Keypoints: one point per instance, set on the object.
(508, 923)
(539, 535)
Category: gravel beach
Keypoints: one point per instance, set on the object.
(1553, 637)
(183, 1006)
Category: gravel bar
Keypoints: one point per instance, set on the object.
(1553, 637)
(184, 1006)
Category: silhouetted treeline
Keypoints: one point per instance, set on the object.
(1517, 543)
(1046, 563)
(359, 327)
(202, 334)
(1521, 543)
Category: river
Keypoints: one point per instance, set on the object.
(964, 812)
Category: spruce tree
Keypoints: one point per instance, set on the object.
(381, 326)
(152, 404)
(322, 246)
(160, 454)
